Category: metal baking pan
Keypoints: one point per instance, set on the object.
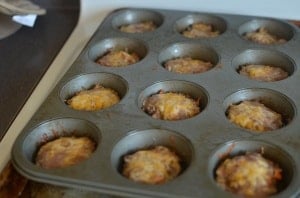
(199, 140)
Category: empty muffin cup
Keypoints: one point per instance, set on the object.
(173, 100)
(188, 58)
(93, 91)
(252, 168)
(118, 52)
(266, 31)
(267, 65)
(258, 109)
(152, 156)
(137, 21)
(200, 26)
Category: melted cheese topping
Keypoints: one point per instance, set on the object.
(187, 65)
(94, 99)
(262, 36)
(118, 59)
(145, 26)
(154, 166)
(254, 116)
(197, 30)
(64, 151)
(249, 175)
(171, 106)
(263, 72)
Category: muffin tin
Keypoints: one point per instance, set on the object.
(202, 141)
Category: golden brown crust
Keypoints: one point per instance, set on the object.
(64, 152)
(119, 58)
(188, 65)
(171, 106)
(145, 26)
(255, 116)
(249, 175)
(262, 36)
(263, 72)
(94, 99)
(153, 166)
(200, 29)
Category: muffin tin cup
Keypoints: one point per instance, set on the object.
(270, 98)
(276, 27)
(132, 16)
(268, 151)
(264, 57)
(115, 44)
(88, 81)
(217, 23)
(51, 130)
(147, 139)
(191, 50)
(125, 128)
(189, 89)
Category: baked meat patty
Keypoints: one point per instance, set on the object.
(118, 58)
(264, 73)
(254, 116)
(145, 26)
(249, 175)
(198, 30)
(64, 151)
(262, 36)
(94, 99)
(171, 106)
(187, 65)
(154, 166)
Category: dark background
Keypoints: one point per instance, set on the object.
(26, 55)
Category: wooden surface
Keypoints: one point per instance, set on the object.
(12, 184)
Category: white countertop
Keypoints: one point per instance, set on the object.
(92, 14)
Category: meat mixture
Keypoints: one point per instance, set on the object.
(119, 58)
(254, 116)
(145, 26)
(198, 30)
(262, 36)
(94, 99)
(154, 166)
(188, 65)
(171, 106)
(64, 152)
(249, 175)
(263, 72)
